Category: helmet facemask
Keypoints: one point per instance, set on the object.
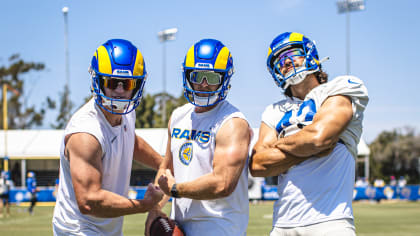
(205, 98)
(298, 72)
(117, 105)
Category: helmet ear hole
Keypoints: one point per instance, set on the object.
(187, 74)
(101, 83)
(139, 84)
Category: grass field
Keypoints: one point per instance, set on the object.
(372, 219)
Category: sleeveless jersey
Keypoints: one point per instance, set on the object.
(193, 138)
(117, 145)
(318, 189)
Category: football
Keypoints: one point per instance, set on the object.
(163, 226)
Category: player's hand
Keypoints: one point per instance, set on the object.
(153, 214)
(166, 181)
(153, 195)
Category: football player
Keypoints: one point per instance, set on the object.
(99, 145)
(32, 190)
(309, 140)
(207, 149)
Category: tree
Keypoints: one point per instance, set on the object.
(65, 109)
(19, 115)
(145, 113)
(396, 153)
(149, 113)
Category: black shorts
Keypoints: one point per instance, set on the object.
(5, 197)
(33, 197)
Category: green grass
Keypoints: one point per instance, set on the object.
(387, 218)
(372, 219)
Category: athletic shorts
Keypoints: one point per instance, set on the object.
(343, 227)
(5, 197)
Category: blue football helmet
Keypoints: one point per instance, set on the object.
(289, 45)
(209, 59)
(118, 62)
(31, 174)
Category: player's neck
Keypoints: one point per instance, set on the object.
(204, 109)
(302, 89)
(113, 119)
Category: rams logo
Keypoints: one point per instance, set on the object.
(186, 153)
(199, 135)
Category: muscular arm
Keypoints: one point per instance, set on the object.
(272, 156)
(145, 154)
(84, 153)
(267, 160)
(230, 155)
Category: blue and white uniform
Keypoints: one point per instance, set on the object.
(193, 140)
(31, 185)
(318, 189)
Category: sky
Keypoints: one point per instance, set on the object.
(384, 47)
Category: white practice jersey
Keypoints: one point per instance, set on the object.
(318, 189)
(117, 154)
(192, 145)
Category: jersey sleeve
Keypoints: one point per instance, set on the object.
(350, 86)
(271, 116)
(355, 89)
(90, 126)
(277, 115)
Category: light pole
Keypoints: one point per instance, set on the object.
(347, 6)
(5, 127)
(65, 11)
(165, 35)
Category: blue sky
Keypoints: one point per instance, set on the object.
(384, 48)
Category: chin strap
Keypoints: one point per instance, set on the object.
(115, 105)
(205, 101)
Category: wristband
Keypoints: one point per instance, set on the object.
(174, 191)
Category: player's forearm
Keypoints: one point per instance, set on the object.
(108, 205)
(145, 154)
(306, 143)
(152, 161)
(208, 187)
(271, 162)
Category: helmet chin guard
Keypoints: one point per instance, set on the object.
(297, 77)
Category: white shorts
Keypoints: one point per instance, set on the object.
(343, 227)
